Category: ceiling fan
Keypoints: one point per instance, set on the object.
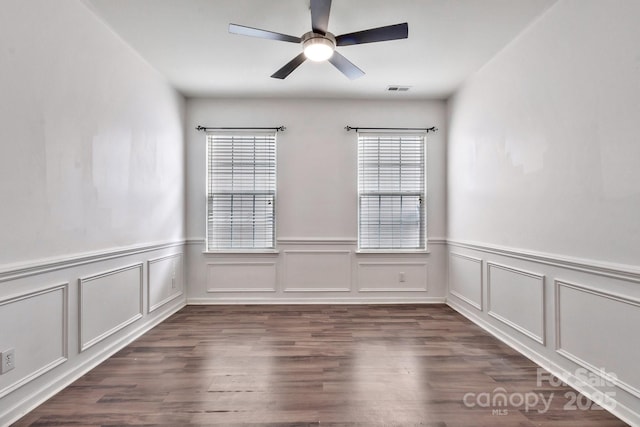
(319, 44)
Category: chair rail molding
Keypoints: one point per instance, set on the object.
(19, 271)
(604, 269)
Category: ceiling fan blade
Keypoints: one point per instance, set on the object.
(263, 34)
(380, 34)
(320, 15)
(345, 66)
(289, 67)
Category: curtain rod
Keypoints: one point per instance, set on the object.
(431, 129)
(206, 128)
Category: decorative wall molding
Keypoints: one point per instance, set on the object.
(82, 310)
(364, 264)
(567, 353)
(76, 371)
(243, 264)
(610, 270)
(44, 382)
(558, 326)
(164, 301)
(164, 257)
(54, 264)
(624, 412)
(478, 305)
(540, 338)
(64, 288)
(287, 262)
(178, 293)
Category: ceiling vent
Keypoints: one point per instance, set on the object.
(398, 88)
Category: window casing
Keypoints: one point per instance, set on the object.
(241, 191)
(391, 191)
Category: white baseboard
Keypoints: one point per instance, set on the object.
(315, 301)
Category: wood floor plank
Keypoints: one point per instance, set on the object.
(312, 365)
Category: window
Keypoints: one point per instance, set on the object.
(391, 191)
(241, 191)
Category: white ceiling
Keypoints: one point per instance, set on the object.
(188, 42)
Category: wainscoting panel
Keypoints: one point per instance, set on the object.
(241, 276)
(165, 278)
(109, 301)
(64, 316)
(393, 276)
(570, 315)
(599, 331)
(465, 279)
(317, 271)
(516, 298)
(45, 311)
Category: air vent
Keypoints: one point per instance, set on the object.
(398, 88)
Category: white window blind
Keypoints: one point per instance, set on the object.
(241, 191)
(391, 191)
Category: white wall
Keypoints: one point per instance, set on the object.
(92, 183)
(91, 153)
(316, 201)
(545, 136)
(543, 191)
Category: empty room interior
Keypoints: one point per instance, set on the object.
(323, 213)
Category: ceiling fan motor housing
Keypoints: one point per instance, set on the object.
(318, 47)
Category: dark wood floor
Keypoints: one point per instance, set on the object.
(395, 365)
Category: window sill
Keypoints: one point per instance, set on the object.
(243, 252)
(393, 251)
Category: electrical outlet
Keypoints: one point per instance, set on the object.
(8, 360)
(402, 277)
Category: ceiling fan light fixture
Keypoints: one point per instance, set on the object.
(319, 44)
(317, 47)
